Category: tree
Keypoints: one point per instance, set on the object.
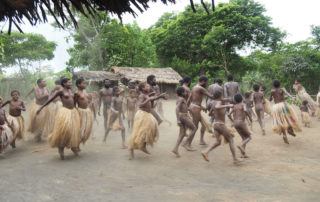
(24, 50)
(213, 41)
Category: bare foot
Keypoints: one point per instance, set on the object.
(241, 150)
(205, 156)
(203, 143)
(285, 139)
(176, 153)
(244, 156)
(144, 149)
(75, 151)
(237, 161)
(188, 148)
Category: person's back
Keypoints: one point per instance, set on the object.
(278, 95)
(239, 112)
(231, 88)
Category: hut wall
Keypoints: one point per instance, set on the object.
(169, 88)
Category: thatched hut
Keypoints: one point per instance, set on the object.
(167, 78)
(95, 79)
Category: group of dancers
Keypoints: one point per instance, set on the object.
(67, 117)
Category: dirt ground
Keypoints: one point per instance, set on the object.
(274, 172)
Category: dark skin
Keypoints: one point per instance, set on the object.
(154, 88)
(304, 108)
(105, 97)
(41, 93)
(277, 94)
(220, 129)
(259, 100)
(131, 106)
(116, 108)
(183, 121)
(15, 105)
(67, 98)
(240, 113)
(81, 97)
(195, 99)
(231, 89)
(144, 103)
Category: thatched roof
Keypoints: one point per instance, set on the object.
(163, 75)
(95, 77)
(35, 11)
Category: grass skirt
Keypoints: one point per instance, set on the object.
(53, 108)
(38, 122)
(18, 126)
(305, 117)
(206, 124)
(86, 123)
(303, 95)
(115, 125)
(66, 131)
(267, 106)
(145, 130)
(6, 137)
(284, 117)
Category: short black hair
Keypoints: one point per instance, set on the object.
(219, 81)
(230, 77)
(79, 81)
(305, 102)
(264, 87)
(247, 94)
(276, 83)
(106, 80)
(203, 78)
(238, 98)
(298, 79)
(186, 79)
(142, 85)
(256, 87)
(150, 78)
(64, 80)
(39, 81)
(116, 88)
(180, 90)
(217, 95)
(14, 91)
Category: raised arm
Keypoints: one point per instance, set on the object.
(4, 104)
(59, 93)
(286, 92)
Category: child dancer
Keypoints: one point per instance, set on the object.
(131, 107)
(6, 130)
(305, 116)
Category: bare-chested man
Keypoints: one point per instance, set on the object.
(154, 88)
(284, 118)
(81, 99)
(259, 101)
(217, 86)
(117, 116)
(231, 88)
(240, 113)
(145, 129)
(183, 120)
(16, 106)
(66, 131)
(105, 97)
(195, 99)
(186, 82)
(38, 123)
(220, 127)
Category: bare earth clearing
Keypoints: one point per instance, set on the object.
(274, 172)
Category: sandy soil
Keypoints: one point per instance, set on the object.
(274, 172)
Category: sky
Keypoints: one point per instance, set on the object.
(293, 16)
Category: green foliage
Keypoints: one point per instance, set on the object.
(103, 42)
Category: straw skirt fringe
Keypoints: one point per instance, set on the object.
(18, 126)
(305, 117)
(86, 123)
(145, 130)
(66, 131)
(38, 122)
(53, 108)
(6, 137)
(283, 117)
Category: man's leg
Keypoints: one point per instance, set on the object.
(182, 133)
(206, 152)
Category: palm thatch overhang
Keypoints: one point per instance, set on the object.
(96, 78)
(163, 75)
(36, 11)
